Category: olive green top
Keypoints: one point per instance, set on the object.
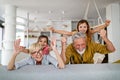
(73, 57)
(118, 61)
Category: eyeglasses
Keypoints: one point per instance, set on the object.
(38, 52)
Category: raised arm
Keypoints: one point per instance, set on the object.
(109, 44)
(61, 31)
(63, 43)
(25, 50)
(99, 27)
(59, 59)
(16, 51)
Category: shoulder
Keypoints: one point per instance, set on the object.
(70, 48)
(93, 45)
(23, 62)
(70, 45)
(47, 57)
(30, 60)
(91, 42)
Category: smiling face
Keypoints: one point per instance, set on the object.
(36, 51)
(80, 44)
(37, 55)
(43, 40)
(82, 27)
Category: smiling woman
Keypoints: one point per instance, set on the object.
(36, 56)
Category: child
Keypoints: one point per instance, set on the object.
(83, 26)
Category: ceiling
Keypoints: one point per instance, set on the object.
(60, 9)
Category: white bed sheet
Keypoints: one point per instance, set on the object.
(71, 72)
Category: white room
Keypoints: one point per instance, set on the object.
(28, 19)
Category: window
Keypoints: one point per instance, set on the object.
(20, 27)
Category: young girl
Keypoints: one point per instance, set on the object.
(83, 26)
(36, 56)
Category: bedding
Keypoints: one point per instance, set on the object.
(70, 72)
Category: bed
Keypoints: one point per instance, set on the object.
(71, 72)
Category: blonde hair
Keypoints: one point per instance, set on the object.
(34, 46)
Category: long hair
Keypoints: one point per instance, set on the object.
(88, 27)
(43, 36)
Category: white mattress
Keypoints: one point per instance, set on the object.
(71, 72)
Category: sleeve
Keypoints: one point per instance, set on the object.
(68, 54)
(22, 63)
(52, 60)
(46, 50)
(99, 48)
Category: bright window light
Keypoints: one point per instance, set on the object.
(20, 20)
(20, 27)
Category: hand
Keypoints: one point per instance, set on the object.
(107, 22)
(51, 29)
(17, 47)
(53, 43)
(63, 39)
(102, 33)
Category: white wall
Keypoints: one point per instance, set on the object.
(0, 38)
(113, 13)
(0, 43)
(1, 12)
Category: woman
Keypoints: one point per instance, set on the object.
(36, 56)
(43, 41)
